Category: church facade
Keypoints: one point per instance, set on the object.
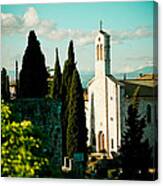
(107, 100)
(104, 108)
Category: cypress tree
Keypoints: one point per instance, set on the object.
(5, 93)
(33, 75)
(68, 69)
(57, 78)
(135, 153)
(76, 130)
(16, 79)
(7, 88)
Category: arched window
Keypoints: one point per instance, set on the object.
(112, 143)
(97, 52)
(101, 141)
(101, 52)
(149, 113)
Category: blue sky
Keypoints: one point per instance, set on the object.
(130, 25)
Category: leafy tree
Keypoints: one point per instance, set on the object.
(76, 130)
(69, 67)
(56, 85)
(33, 75)
(135, 153)
(21, 150)
(5, 93)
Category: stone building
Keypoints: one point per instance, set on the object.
(144, 89)
(107, 100)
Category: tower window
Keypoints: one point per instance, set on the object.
(101, 52)
(111, 98)
(112, 143)
(97, 52)
(149, 113)
(111, 118)
(101, 141)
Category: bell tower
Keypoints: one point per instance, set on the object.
(102, 53)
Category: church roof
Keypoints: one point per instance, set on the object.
(114, 79)
(145, 89)
(91, 81)
(147, 85)
(108, 76)
(148, 77)
(103, 32)
(148, 80)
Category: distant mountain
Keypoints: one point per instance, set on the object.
(86, 76)
(137, 73)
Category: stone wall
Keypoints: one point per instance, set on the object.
(44, 113)
(151, 129)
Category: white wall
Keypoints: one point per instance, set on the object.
(107, 111)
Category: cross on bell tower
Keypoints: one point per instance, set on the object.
(100, 25)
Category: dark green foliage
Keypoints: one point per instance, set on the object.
(69, 67)
(56, 84)
(76, 130)
(44, 113)
(33, 76)
(17, 79)
(22, 147)
(5, 93)
(135, 153)
(102, 168)
(71, 55)
(155, 161)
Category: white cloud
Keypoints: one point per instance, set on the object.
(140, 58)
(87, 39)
(125, 69)
(128, 68)
(12, 24)
(57, 35)
(119, 37)
(30, 18)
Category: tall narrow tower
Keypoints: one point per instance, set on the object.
(16, 79)
(104, 101)
(102, 53)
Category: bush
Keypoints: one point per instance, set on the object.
(20, 152)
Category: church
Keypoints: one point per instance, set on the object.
(104, 108)
(107, 100)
